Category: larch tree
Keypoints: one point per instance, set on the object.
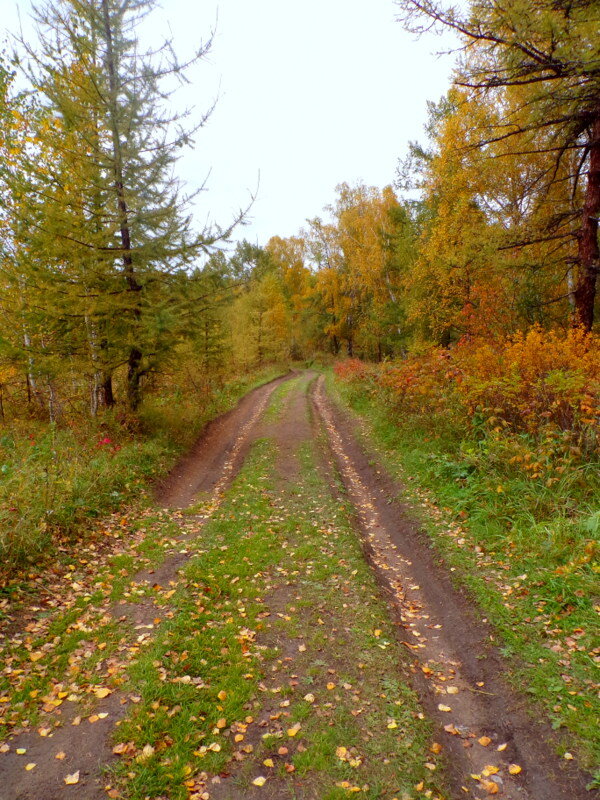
(550, 50)
(120, 225)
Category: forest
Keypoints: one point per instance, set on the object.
(469, 282)
(454, 311)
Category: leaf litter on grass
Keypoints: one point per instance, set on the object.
(269, 669)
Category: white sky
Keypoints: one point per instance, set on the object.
(311, 93)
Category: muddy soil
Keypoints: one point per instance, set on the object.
(218, 453)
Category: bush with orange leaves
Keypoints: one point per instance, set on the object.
(539, 383)
(535, 382)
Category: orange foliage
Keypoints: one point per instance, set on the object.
(545, 384)
(534, 380)
(352, 369)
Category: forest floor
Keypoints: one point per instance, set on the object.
(278, 627)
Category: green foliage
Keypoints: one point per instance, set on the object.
(52, 481)
(100, 257)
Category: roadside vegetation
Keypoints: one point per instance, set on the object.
(56, 479)
(498, 449)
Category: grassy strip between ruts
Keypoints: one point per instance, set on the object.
(516, 563)
(277, 675)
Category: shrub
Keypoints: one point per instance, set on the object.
(542, 387)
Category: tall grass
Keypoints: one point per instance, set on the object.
(53, 480)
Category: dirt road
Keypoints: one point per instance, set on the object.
(490, 743)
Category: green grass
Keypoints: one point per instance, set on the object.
(523, 550)
(55, 481)
(76, 633)
(278, 399)
(274, 627)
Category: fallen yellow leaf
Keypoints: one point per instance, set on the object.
(491, 769)
(442, 707)
(29, 767)
(147, 752)
(490, 787)
(268, 762)
(484, 741)
(102, 692)
(260, 781)
(222, 695)
(71, 780)
(60, 756)
(514, 769)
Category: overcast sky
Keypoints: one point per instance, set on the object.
(311, 93)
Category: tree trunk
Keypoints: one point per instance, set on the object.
(102, 392)
(259, 348)
(588, 251)
(32, 386)
(134, 378)
(134, 373)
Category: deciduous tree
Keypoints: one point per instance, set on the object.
(550, 51)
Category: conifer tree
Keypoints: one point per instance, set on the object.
(119, 226)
